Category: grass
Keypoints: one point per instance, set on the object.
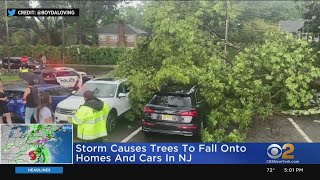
(6, 79)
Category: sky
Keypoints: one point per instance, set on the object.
(132, 3)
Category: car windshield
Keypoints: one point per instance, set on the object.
(171, 100)
(101, 90)
(31, 60)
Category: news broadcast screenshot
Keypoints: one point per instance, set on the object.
(155, 88)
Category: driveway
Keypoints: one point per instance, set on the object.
(279, 129)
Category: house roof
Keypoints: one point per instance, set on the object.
(113, 29)
(291, 26)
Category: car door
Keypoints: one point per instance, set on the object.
(68, 79)
(126, 103)
(14, 63)
(122, 103)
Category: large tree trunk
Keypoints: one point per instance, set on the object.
(48, 38)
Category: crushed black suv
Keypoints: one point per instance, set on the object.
(175, 110)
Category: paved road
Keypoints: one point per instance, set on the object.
(310, 125)
(286, 129)
(279, 129)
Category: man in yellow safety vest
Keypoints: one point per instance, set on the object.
(91, 119)
(24, 69)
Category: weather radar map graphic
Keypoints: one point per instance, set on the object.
(36, 144)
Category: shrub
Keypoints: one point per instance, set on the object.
(88, 55)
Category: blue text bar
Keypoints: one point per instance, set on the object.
(39, 170)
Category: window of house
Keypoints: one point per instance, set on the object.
(113, 38)
(130, 38)
(102, 37)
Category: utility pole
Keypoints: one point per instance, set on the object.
(63, 44)
(226, 29)
(7, 30)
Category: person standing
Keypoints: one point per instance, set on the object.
(30, 97)
(4, 110)
(91, 119)
(43, 114)
(43, 61)
(24, 62)
(24, 69)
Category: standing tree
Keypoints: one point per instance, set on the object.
(134, 15)
(92, 14)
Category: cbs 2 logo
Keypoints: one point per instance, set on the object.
(275, 151)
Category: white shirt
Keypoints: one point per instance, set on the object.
(44, 114)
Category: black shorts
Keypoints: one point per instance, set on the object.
(3, 110)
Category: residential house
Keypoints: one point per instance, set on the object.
(119, 35)
(296, 28)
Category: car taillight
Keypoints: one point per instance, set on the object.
(148, 110)
(187, 127)
(147, 123)
(192, 113)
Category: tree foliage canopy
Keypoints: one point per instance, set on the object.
(261, 79)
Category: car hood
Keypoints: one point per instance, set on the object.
(82, 73)
(74, 102)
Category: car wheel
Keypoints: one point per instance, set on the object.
(198, 135)
(111, 121)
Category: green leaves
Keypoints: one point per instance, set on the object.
(270, 75)
(287, 63)
(92, 55)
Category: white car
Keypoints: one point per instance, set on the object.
(69, 69)
(112, 91)
(66, 78)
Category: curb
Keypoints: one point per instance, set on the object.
(311, 111)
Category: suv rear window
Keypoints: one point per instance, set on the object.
(171, 100)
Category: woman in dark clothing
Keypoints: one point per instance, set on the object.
(4, 111)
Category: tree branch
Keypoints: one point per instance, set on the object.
(214, 34)
(232, 45)
(276, 94)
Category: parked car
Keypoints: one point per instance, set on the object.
(15, 94)
(66, 78)
(113, 92)
(15, 63)
(69, 69)
(175, 110)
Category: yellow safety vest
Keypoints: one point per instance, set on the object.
(24, 70)
(91, 124)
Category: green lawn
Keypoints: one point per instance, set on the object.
(9, 78)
